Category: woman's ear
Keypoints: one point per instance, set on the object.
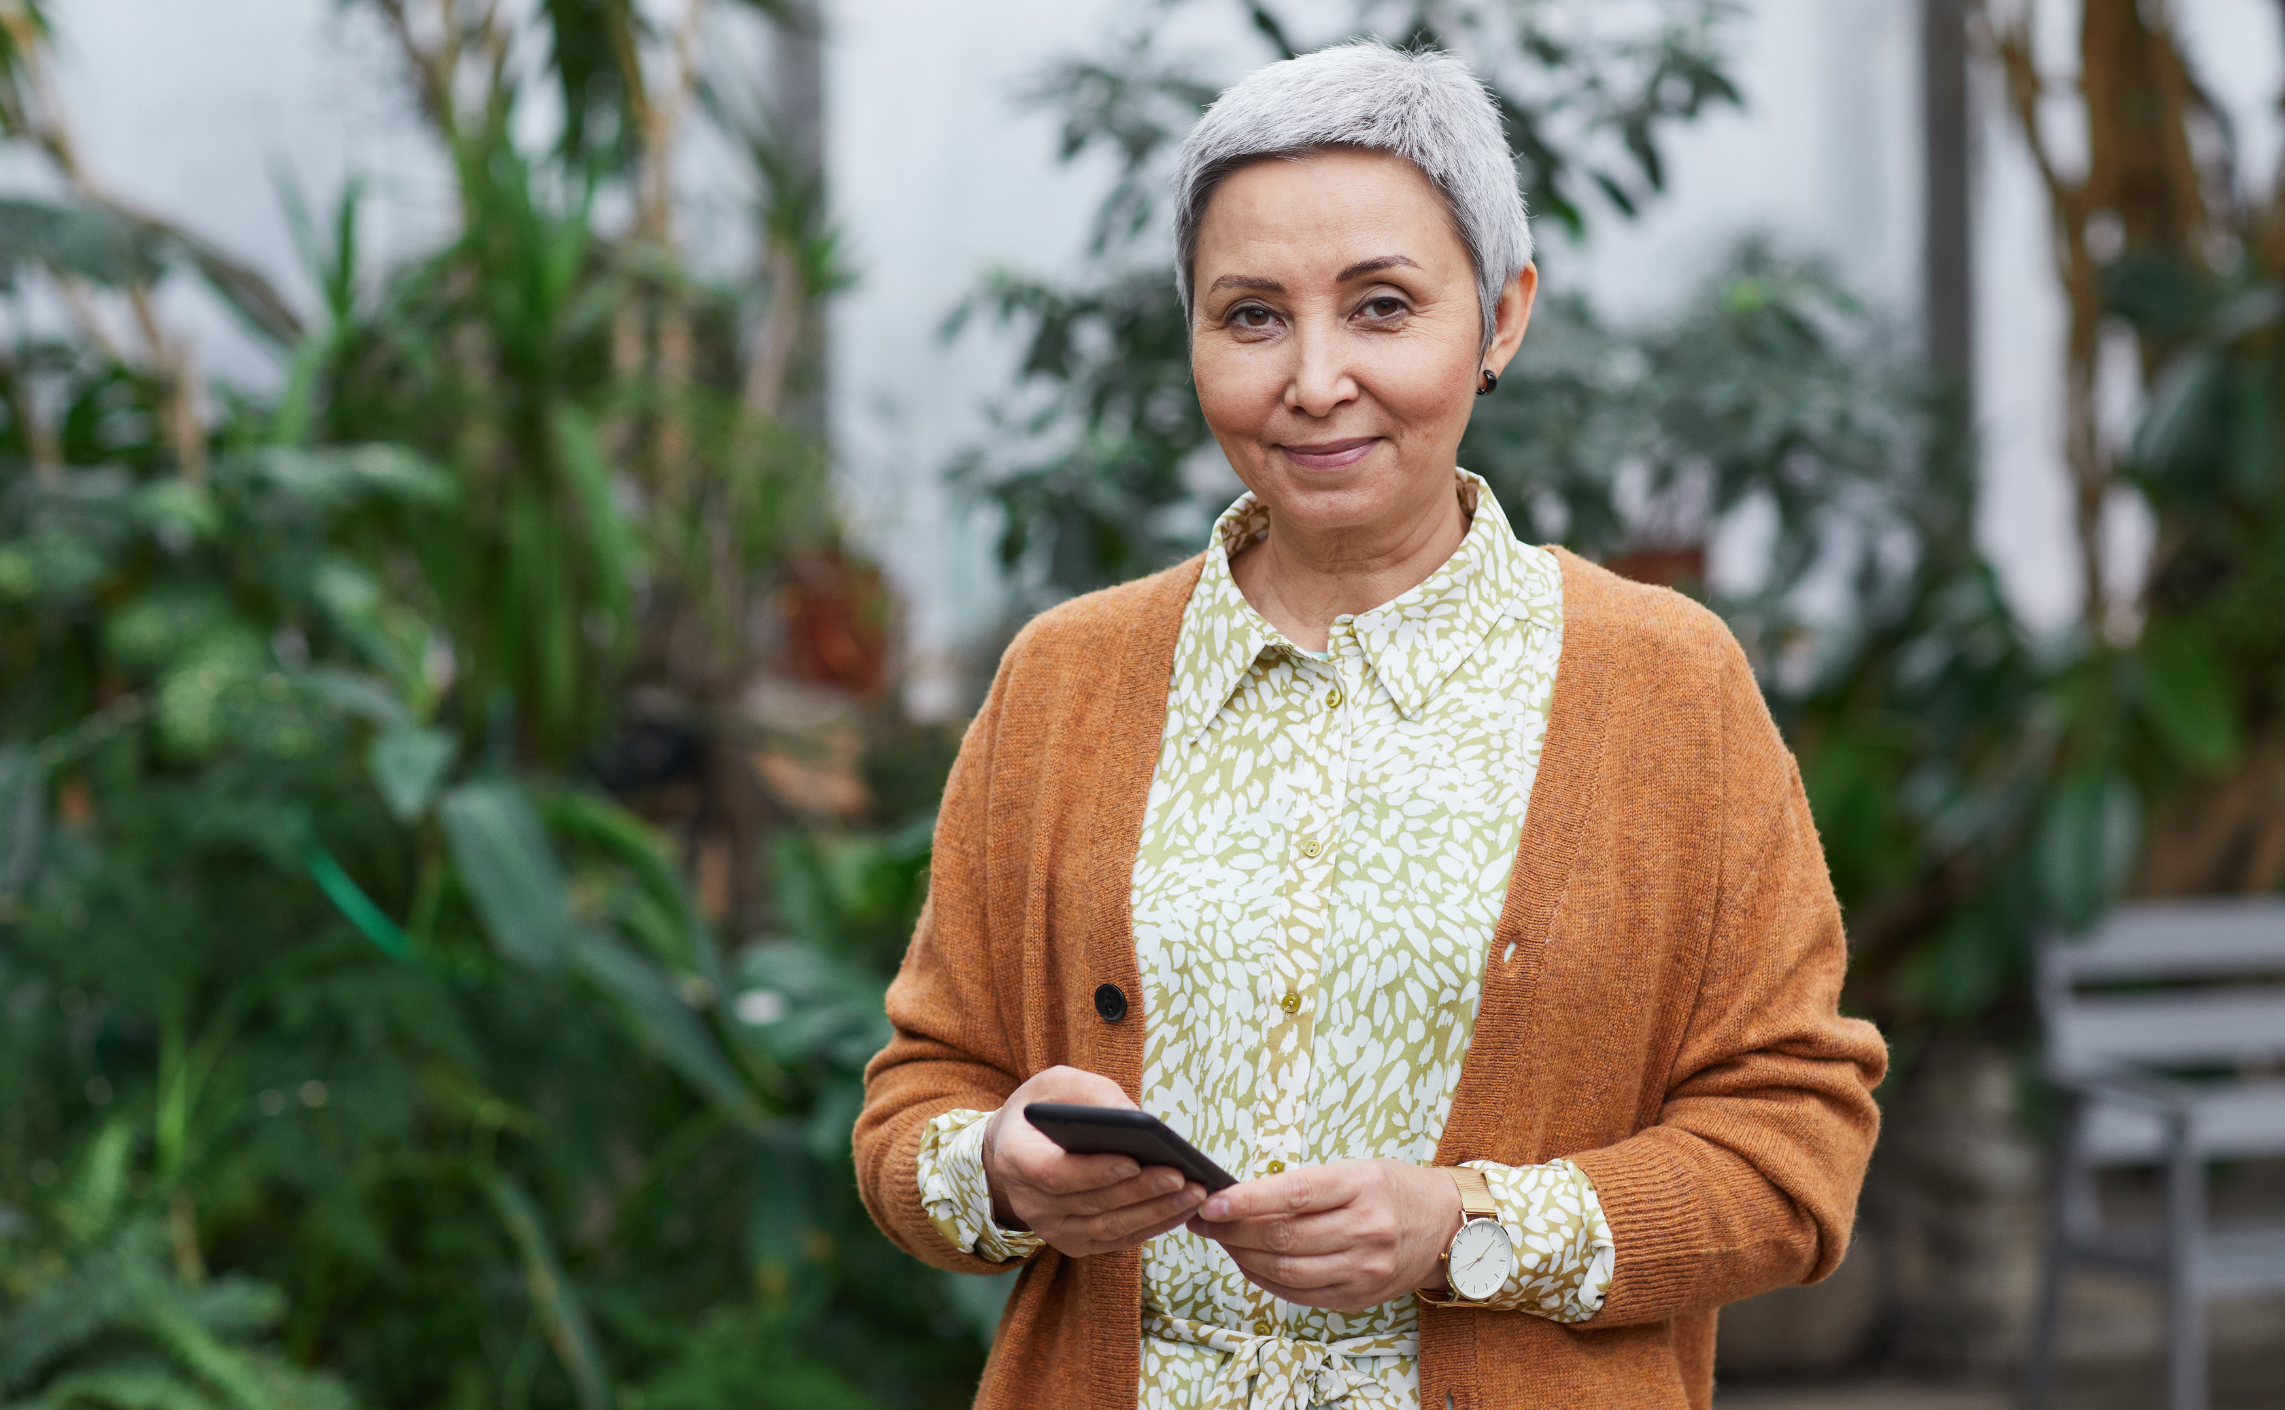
(1513, 315)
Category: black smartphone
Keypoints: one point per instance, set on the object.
(1110, 1130)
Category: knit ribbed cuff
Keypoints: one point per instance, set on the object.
(1654, 1207)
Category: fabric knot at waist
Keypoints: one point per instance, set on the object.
(1277, 1372)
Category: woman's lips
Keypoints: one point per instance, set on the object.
(1330, 455)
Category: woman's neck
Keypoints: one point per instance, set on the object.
(1302, 581)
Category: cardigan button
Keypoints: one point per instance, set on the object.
(1111, 1003)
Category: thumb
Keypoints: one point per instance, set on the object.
(1083, 1088)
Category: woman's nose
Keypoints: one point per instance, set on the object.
(1321, 376)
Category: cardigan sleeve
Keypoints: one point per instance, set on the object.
(1747, 1180)
(950, 1048)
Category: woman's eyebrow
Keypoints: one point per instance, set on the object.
(1373, 266)
(1247, 281)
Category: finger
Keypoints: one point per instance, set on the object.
(1294, 1192)
(1077, 1086)
(1153, 1184)
(1315, 1273)
(1327, 1231)
(1145, 1235)
(1056, 1171)
(1147, 1220)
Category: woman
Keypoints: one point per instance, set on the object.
(1456, 895)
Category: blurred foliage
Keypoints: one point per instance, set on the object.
(355, 1048)
(512, 1147)
(1977, 787)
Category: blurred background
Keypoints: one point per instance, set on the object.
(505, 506)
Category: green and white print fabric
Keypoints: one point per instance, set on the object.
(953, 1189)
(1325, 853)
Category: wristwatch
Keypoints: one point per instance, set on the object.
(1480, 1258)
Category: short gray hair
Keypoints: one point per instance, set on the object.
(1423, 106)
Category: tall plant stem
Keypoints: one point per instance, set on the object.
(2141, 184)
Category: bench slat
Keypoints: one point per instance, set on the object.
(2240, 1121)
(2175, 939)
(2103, 1033)
(2248, 1262)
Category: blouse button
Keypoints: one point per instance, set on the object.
(1277, 1167)
(1310, 848)
(1333, 701)
(1261, 1326)
(1291, 1003)
(1111, 1003)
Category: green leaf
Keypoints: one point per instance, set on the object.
(818, 1010)
(510, 870)
(664, 1019)
(179, 508)
(205, 694)
(359, 696)
(94, 1201)
(1963, 969)
(230, 1369)
(123, 1387)
(100, 246)
(782, 1214)
(2178, 410)
(2187, 696)
(553, 1297)
(2087, 844)
(408, 764)
(618, 549)
(337, 476)
(23, 819)
(68, 1310)
(168, 620)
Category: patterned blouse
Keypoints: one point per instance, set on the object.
(1326, 851)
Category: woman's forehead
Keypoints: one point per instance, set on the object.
(1337, 209)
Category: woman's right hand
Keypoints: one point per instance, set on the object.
(1080, 1204)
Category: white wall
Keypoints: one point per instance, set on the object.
(202, 112)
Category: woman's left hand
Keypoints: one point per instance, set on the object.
(1344, 1236)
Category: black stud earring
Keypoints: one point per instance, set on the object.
(1490, 384)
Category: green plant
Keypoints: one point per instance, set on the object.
(399, 1059)
(444, 1054)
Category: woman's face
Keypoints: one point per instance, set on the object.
(1336, 336)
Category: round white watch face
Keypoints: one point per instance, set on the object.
(1481, 1259)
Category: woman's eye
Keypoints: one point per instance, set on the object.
(1252, 316)
(1384, 307)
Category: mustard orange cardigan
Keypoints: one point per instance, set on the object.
(1659, 995)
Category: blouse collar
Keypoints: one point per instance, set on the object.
(1412, 643)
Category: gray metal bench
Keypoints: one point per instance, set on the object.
(2165, 1035)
